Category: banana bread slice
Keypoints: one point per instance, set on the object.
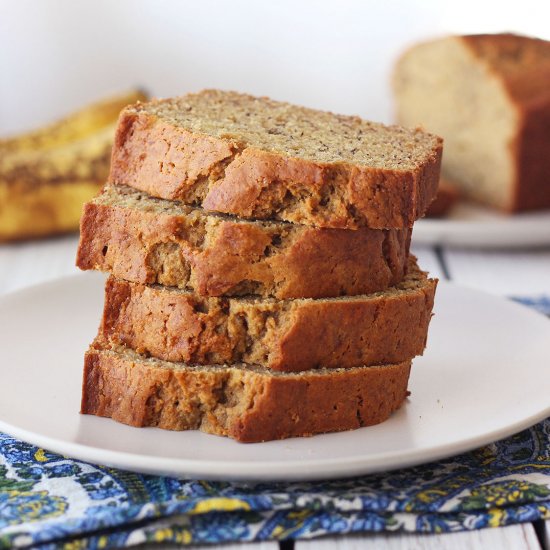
(148, 240)
(249, 404)
(290, 335)
(258, 158)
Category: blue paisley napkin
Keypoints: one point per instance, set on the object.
(51, 501)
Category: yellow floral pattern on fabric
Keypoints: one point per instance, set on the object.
(219, 505)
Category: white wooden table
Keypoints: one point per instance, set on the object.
(506, 273)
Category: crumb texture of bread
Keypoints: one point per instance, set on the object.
(489, 97)
(147, 240)
(263, 159)
(246, 404)
(290, 335)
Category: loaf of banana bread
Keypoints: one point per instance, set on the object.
(488, 95)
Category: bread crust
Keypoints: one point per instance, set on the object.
(216, 256)
(288, 336)
(225, 175)
(531, 148)
(248, 405)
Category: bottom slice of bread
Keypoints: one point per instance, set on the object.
(249, 404)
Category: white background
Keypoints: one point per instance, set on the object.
(56, 55)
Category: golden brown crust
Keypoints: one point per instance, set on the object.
(289, 336)
(521, 63)
(262, 185)
(249, 405)
(225, 175)
(217, 256)
(145, 155)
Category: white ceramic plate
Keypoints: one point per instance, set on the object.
(484, 376)
(474, 226)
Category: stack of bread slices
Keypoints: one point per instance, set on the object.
(260, 279)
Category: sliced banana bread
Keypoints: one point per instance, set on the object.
(258, 158)
(147, 240)
(249, 404)
(489, 97)
(289, 335)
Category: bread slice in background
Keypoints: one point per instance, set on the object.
(258, 158)
(488, 96)
(447, 196)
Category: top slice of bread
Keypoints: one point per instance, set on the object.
(258, 158)
(489, 97)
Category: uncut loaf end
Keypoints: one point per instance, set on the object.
(489, 97)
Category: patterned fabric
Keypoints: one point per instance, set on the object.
(46, 497)
(50, 501)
